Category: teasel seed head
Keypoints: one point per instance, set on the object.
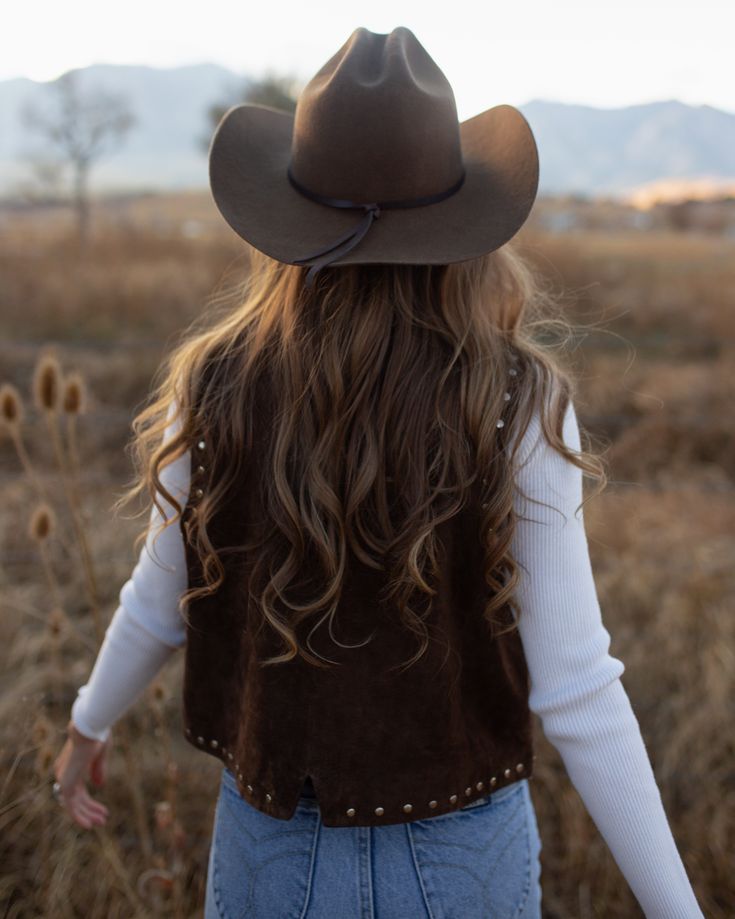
(43, 522)
(47, 379)
(45, 760)
(42, 729)
(11, 407)
(74, 400)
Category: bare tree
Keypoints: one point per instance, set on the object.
(46, 184)
(279, 91)
(82, 125)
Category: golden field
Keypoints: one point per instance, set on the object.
(654, 357)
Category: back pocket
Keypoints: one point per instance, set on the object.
(476, 862)
(260, 866)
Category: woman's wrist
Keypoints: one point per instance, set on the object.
(76, 736)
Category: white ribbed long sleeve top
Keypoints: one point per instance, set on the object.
(575, 685)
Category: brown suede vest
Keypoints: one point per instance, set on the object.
(380, 747)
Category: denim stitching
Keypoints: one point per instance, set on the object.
(366, 872)
(224, 913)
(414, 859)
(522, 906)
(312, 862)
(483, 882)
(216, 888)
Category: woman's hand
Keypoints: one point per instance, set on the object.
(81, 757)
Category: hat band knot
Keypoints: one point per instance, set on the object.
(349, 240)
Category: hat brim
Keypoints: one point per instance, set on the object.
(250, 151)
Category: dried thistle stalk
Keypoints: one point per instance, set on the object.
(12, 416)
(49, 392)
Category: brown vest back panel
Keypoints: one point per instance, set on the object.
(380, 747)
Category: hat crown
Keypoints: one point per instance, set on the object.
(377, 122)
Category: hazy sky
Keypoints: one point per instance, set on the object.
(598, 53)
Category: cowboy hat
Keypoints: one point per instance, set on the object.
(375, 129)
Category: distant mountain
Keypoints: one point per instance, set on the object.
(160, 151)
(613, 151)
(583, 150)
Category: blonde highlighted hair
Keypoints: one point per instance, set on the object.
(390, 381)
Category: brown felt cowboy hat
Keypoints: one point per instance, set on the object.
(376, 130)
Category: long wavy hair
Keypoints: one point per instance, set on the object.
(389, 381)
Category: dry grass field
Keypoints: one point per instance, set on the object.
(654, 357)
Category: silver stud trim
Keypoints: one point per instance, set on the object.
(201, 469)
(215, 744)
(199, 493)
(201, 445)
(500, 423)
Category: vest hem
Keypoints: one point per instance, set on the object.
(388, 813)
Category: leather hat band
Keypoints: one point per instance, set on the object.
(372, 209)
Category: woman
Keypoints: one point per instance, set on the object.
(366, 529)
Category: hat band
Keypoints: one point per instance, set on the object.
(349, 240)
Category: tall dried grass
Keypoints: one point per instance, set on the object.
(656, 362)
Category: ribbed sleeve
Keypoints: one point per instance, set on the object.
(575, 682)
(146, 627)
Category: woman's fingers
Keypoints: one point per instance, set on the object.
(83, 808)
(94, 813)
(95, 808)
(79, 813)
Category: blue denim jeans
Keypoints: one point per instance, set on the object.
(477, 862)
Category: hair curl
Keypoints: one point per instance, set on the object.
(383, 374)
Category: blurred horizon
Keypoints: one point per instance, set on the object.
(245, 74)
(641, 154)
